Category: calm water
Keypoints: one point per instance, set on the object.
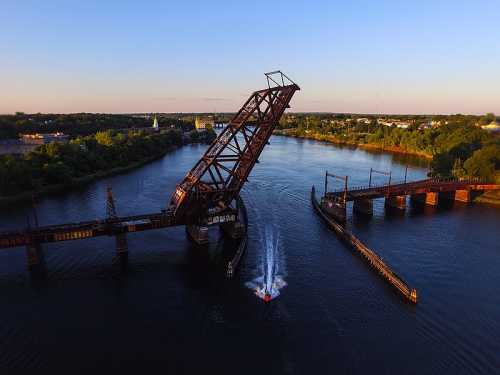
(173, 312)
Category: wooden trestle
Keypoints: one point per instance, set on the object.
(375, 261)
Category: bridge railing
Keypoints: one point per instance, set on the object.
(366, 187)
(429, 181)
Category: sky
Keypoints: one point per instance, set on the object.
(418, 57)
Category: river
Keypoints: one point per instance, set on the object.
(173, 312)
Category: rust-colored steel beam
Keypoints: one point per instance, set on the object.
(415, 187)
(206, 193)
(217, 178)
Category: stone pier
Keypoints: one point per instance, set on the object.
(363, 206)
(197, 233)
(397, 201)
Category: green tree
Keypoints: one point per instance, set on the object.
(484, 163)
(104, 138)
(487, 119)
(57, 173)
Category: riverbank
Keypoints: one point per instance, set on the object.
(370, 146)
(488, 198)
(52, 189)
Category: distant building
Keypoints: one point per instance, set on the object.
(203, 123)
(426, 125)
(492, 127)
(435, 123)
(385, 122)
(44, 138)
(403, 125)
(155, 124)
(364, 120)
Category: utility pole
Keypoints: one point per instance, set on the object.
(326, 182)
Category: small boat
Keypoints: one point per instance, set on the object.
(266, 294)
(267, 297)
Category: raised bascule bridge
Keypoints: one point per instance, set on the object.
(207, 196)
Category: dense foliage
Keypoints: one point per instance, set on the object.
(57, 163)
(458, 146)
(81, 124)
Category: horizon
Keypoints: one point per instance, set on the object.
(366, 58)
(233, 112)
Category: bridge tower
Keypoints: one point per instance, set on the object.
(121, 237)
(208, 192)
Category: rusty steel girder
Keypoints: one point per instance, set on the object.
(217, 178)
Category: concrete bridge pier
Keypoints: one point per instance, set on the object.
(197, 233)
(234, 229)
(363, 207)
(396, 201)
(463, 196)
(432, 198)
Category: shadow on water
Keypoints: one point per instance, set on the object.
(198, 265)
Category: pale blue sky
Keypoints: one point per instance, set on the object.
(164, 56)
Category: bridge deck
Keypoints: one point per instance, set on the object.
(415, 187)
(86, 229)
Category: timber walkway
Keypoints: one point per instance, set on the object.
(375, 261)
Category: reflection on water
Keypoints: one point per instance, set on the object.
(174, 310)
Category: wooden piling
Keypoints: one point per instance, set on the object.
(375, 261)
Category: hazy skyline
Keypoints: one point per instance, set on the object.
(157, 56)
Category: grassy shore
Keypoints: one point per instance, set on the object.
(51, 189)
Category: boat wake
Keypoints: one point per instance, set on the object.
(271, 280)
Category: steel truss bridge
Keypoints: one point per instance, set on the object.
(429, 191)
(206, 196)
(431, 185)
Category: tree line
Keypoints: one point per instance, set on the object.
(459, 148)
(57, 163)
(80, 124)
